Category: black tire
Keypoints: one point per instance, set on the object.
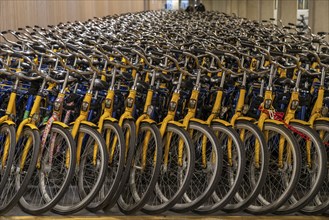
(7, 136)
(281, 180)
(164, 197)
(255, 175)
(142, 181)
(50, 180)
(311, 178)
(20, 176)
(78, 196)
(205, 177)
(115, 165)
(232, 173)
(128, 125)
(320, 203)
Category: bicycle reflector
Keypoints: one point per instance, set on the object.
(130, 102)
(85, 106)
(150, 109)
(267, 103)
(294, 104)
(108, 103)
(57, 105)
(172, 106)
(324, 110)
(192, 104)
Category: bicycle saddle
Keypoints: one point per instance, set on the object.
(142, 85)
(100, 85)
(215, 79)
(283, 81)
(58, 74)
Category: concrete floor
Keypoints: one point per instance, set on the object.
(17, 214)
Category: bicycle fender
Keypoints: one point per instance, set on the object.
(60, 124)
(8, 122)
(322, 119)
(32, 126)
(177, 124)
(298, 121)
(149, 121)
(86, 123)
(198, 121)
(111, 120)
(274, 121)
(220, 121)
(243, 118)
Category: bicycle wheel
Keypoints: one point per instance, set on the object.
(21, 171)
(207, 169)
(281, 178)
(232, 173)
(312, 175)
(129, 132)
(144, 171)
(175, 174)
(90, 172)
(7, 138)
(255, 174)
(53, 174)
(320, 203)
(116, 152)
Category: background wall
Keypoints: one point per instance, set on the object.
(19, 13)
(264, 9)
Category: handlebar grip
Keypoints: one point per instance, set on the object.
(156, 53)
(18, 55)
(107, 47)
(317, 41)
(292, 24)
(86, 51)
(299, 26)
(294, 51)
(218, 52)
(176, 51)
(39, 48)
(276, 53)
(71, 47)
(247, 44)
(197, 50)
(125, 49)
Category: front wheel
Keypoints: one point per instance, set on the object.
(24, 162)
(207, 169)
(176, 170)
(54, 172)
(282, 176)
(115, 146)
(7, 150)
(314, 161)
(144, 171)
(90, 171)
(320, 203)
